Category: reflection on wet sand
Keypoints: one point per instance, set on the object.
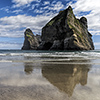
(66, 77)
(28, 68)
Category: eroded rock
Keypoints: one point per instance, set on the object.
(30, 42)
(66, 32)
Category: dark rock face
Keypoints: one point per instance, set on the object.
(65, 32)
(38, 38)
(30, 42)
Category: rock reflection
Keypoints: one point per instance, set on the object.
(28, 68)
(66, 77)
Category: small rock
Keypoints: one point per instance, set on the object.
(30, 42)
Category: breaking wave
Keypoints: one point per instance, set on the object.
(69, 57)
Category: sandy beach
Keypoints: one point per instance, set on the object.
(49, 82)
(49, 76)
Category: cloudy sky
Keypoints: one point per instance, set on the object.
(17, 15)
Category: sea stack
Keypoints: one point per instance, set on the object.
(30, 42)
(66, 32)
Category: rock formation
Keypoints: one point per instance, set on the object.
(30, 41)
(66, 32)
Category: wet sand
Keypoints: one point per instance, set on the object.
(46, 81)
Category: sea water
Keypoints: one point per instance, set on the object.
(49, 75)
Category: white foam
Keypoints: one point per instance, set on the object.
(2, 54)
(5, 61)
(92, 55)
(16, 54)
(63, 56)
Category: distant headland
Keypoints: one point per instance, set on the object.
(63, 32)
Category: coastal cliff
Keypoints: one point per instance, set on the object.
(63, 32)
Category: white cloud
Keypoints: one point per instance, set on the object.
(93, 17)
(95, 32)
(17, 11)
(56, 6)
(33, 6)
(10, 46)
(14, 26)
(5, 9)
(19, 3)
(86, 5)
(38, 11)
(46, 7)
(97, 43)
(46, 2)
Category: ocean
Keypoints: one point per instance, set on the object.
(49, 75)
